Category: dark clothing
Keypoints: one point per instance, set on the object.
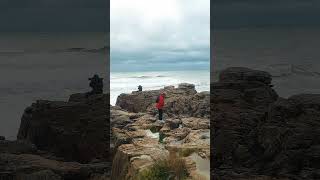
(96, 83)
(140, 88)
(160, 114)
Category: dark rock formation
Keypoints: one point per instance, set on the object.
(54, 133)
(77, 130)
(2, 138)
(139, 140)
(137, 101)
(17, 147)
(29, 166)
(183, 100)
(256, 134)
(244, 74)
(289, 138)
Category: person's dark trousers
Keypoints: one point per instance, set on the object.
(160, 114)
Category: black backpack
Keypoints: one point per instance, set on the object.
(158, 98)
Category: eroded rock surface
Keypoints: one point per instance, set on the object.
(257, 134)
(76, 130)
(60, 141)
(139, 140)
(29, 166)
(181, 101)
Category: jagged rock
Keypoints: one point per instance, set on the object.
(77, 130)
(40, 175)
(189, 88)
(27, 166)
(79, 97)
(120, 137)
(100, 177)
(196, 123)
(120, 118)
(288, 137)
(196, 105)
(183, 100)
(235, 113)
(17, 147)
(244, 74)
(257, 135)
(137, 101)
(174, 136)
(2, 138)
(173, 123)
(130, 159)
(137, 143)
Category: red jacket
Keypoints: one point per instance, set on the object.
(160, 104)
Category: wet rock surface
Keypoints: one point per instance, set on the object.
(17, 147)
(24, 166)
(181, 101)
(60, 141)
(76, 130)
(140, 140)
(257, 135)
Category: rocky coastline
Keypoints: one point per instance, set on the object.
(60, 141)
(242, 126)
(139, 140)
(258, 135)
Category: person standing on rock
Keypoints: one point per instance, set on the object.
(160, 104)
(96, 83)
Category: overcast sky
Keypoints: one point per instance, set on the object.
(265, 13)
(54, 15)
(93, 15)
(159, 35)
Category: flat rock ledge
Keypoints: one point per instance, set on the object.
(139, 140)
(181, 101)
(60, 141)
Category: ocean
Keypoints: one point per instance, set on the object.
(48, 66)
(126, 82)
(53, 66)
(291, 55)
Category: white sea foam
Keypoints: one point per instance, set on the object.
(126, 82)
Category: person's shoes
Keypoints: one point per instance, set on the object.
(161, 121)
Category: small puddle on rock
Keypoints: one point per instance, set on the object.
(203, 165)
(151, 134)
(155, 135)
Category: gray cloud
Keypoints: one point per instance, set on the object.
(263, 13)
(54, 15)
(160, 39)
(54, 4)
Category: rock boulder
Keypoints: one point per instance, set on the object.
(183, 100)
(256, 134)
(77, 130)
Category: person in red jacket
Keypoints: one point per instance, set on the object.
(160, 104)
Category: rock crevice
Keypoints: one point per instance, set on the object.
(60, 141)
(257, 134)
(140, 141)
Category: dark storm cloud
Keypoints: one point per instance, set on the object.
(261, 13)
(54, 15)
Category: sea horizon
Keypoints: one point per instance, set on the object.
(126, 82)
